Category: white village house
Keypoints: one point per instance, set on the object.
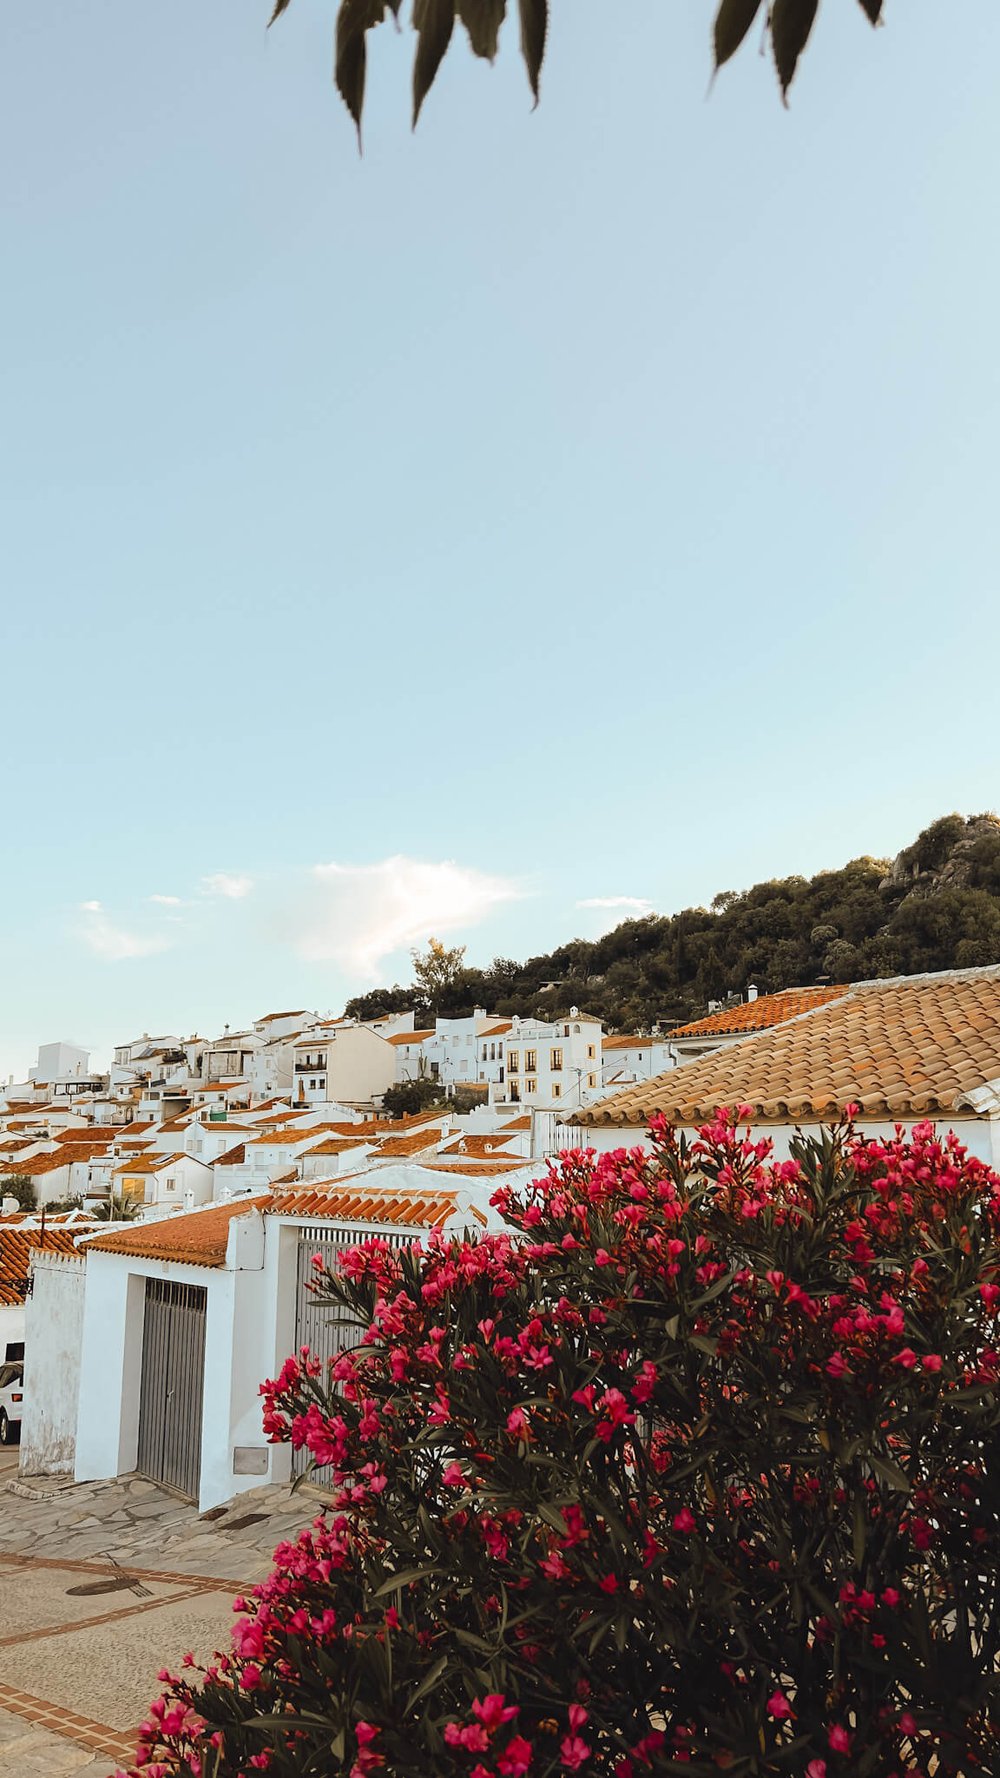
(183, 1318)
(903, 1050)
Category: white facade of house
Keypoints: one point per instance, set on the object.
(164, 1182)
(627, 1060)
(53, 1337)
(452, 1054)
(250, 1329)
(342, 1063)
(59, 1062)
(553, 1066)
(331, 1158)
(242, 1343)
(411, 1059)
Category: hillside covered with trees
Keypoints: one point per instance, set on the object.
(936, 906)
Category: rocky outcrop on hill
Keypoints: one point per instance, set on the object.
(955, 852)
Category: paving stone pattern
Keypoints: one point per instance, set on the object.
(102, 1583)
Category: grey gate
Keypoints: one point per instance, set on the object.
(324, 1327)
(173, 1382)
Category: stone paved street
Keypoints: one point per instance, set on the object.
(102, 1584)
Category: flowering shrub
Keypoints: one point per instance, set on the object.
(695, 1472)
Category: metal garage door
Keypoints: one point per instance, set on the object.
(326, 1328)
(173, 1378)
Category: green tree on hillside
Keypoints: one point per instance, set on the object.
(437, 970)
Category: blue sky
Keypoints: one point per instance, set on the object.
(542, 509)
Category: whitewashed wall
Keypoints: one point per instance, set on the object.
(981, 1135)
(241, 1349)
(53, 1318)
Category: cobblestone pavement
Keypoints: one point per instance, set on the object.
(103, 1583)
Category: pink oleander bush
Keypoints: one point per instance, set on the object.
(696, 1470)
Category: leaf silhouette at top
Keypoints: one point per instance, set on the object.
(434, 21)
(788, 22)
(354, 19)
(732, 22)
(534, 25)
(791, 23)
(482, 20)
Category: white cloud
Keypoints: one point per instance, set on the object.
(113, 942)
(166, 901)
(224, 883)
(357, 915)
(636, 904)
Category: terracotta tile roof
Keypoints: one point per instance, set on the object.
(498, 1029)
(281, 1138)
(81, 1151)
(395, 1148)
(298, 1012)
(233, 1157)
(518, 1123)
(629, 1041)
(149, 1163)
(913, 1046)
(755, 1015)
(229, 1126)
(324, 1129)
(16, 1246)
(477, 1147)
(388, 1126)
(36, 1164)
(336, 1145)
(16, 1143)
(362, 1201)
(459, 1166)
(93, 1133)
(197, 1238)
(400, 1037)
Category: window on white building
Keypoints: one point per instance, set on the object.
(556, 1090)
(591, 1051)
(531, 1086)
(592, 1080)
(530, 1061)
(556, 1062)
(513, 1062)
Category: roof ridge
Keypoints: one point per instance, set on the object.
(988, 971)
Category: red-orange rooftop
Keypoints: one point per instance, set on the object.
(753, 1015)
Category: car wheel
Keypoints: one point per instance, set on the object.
(6, 1436)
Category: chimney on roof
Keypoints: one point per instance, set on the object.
(751, 992)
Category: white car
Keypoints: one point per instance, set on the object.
(11, 1391)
